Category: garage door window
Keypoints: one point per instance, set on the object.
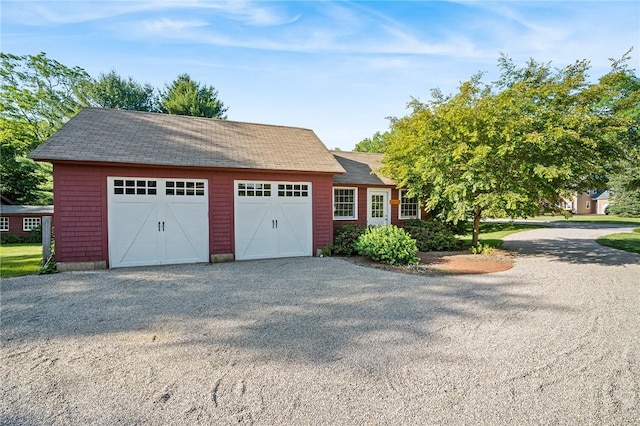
(293, 190)
(134, 187)
(184, 188)
(247, 189)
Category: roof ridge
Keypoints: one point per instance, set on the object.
(192, 117)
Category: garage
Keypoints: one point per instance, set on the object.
(135, 188)
(273, 219)
(156, 221)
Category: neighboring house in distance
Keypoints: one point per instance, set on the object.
(136, 188)
(21, 220)
(364, 197)
(591, 202)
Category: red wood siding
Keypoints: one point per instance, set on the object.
(15, 223)
(80, 203)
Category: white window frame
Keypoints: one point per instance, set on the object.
(589, 205)
(4, 224)
(419, 210)
(355, 203)
(30, 223)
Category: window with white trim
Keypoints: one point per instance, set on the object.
(588, 204)
(184, 188)
(293, 190)
(345, 204)
(4, 224)
(134, 187)
(409, 206)
(254, 189)
(30, 223)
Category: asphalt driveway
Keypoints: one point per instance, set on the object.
(555, 340)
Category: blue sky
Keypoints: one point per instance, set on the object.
(337, 67)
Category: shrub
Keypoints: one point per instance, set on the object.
(485, 249)
(388, 244)
(344, 239)
(432, 236)
(11, 239)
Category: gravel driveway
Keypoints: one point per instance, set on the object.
(555, 340)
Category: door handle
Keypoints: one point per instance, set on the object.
(158, 226)
(163, 226)
(276, 223)
(273, 224)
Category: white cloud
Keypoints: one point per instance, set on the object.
(166, 25)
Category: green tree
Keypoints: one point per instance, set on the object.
(500, 149)
(112, 91)
(37, 96)
(624, 100)
(187, 97)
(625, 195)
(376, 143)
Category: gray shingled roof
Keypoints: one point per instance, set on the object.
(12, 209)
(602, 195)
(133, 137)
(360, 168)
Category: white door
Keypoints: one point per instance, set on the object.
(157, 221)
(378, 207)
(272, 219)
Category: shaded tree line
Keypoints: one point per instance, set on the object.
(38, 95)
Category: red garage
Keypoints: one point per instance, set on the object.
(134, 188)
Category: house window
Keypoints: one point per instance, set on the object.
(588, 204)
(4, 224)
(344, 203)
(409, 207)
(30, 223)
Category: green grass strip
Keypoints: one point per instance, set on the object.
(627, 241)
(20, 259)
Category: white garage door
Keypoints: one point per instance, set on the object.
(273, 219)
(157, 221)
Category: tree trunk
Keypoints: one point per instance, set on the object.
(477, 215)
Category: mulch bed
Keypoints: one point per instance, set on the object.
(448, 263)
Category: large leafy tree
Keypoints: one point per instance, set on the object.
(500, 149)
(187, 97)
(112, 91)
(624, 100)
(37, 96)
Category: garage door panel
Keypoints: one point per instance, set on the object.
(254, 236)
(133, 233)
(272, 219)
(157, 221)
(185, 237)
(294, 226)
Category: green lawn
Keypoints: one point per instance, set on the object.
(19, 259)
(627, 241)
(492, 233)
(592, 218)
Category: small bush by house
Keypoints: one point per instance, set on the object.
(344, 240)
(388, 244)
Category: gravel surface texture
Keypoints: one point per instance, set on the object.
(554, 340)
